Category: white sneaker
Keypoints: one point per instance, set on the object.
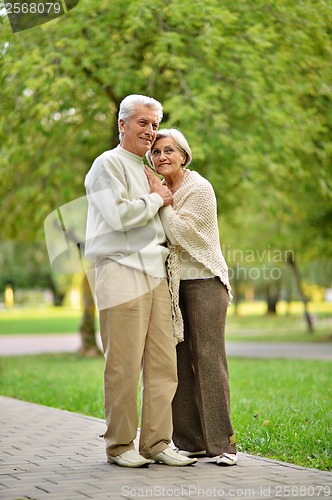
(227, 459)
(130, 458)
(171, 457)
(192, 454)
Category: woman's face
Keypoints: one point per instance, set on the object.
(166, 157)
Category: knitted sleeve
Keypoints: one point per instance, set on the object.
(193, 222)
(194, 225)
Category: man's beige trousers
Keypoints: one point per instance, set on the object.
(136, 332)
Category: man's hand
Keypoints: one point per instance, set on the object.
(157, 187)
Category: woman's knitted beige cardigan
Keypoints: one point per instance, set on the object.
(194, 225)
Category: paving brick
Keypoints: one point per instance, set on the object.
(59, 455)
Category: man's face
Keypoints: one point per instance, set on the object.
(140, 130)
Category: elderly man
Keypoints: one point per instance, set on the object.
(126, 241)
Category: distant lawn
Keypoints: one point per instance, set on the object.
(43, 320)
(251, 324)
(258, 328)
(280, 408)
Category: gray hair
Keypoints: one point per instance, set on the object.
(180, 141)
(128, 107)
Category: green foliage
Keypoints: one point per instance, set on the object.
(24, 266)
(246, 82)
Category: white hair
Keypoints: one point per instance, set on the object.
(180, 141)
(128, 107)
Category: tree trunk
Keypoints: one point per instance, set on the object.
(292, 263)
(57, 295)
(87, 328)
(272, 298)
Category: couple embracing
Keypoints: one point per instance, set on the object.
(162, 292)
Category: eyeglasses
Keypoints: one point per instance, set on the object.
(167, 151)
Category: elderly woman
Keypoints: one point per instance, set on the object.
(199, 284)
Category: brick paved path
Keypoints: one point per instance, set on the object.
(51, 454)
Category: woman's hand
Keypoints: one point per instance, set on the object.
(156, 186)
(152, 177)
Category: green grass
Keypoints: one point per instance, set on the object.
(258, 328)
(43, 320)
(250, 325)
(280, 408)
(66, 381)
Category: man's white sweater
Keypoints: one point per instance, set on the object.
(123, 223)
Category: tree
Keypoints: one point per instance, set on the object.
(247, 84)
(27, 266)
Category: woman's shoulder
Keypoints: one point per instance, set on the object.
(197, 179)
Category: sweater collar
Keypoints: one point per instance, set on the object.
(129, 155)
